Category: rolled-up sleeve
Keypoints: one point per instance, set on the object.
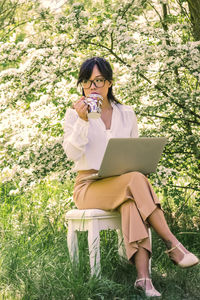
(75, 135)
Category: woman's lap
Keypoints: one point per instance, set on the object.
(131, 194)
(110, 193)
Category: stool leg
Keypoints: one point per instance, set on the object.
(94, 247)
(72, 242)
(150, 238)
(121, 248)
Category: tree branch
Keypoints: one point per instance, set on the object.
(168, 118)
(126, 8)
(185, 187)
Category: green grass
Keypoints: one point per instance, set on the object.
(35, 264)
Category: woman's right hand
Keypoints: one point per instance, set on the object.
(81, 109)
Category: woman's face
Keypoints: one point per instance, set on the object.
(103, 91)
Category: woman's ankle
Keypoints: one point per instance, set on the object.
(171, 243)
(143, 275)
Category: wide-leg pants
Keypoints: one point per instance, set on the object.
(131, 194)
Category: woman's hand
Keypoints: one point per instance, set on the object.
(81, 108)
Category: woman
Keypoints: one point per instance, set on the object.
(131, 193)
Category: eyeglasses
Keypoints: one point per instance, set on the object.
(99, 82)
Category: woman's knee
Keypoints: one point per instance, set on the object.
(125, 205)
(137, 176)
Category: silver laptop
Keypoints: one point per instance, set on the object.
(125, 155)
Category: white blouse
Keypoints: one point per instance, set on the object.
(85, 142)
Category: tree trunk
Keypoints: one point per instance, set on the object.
(194, 8)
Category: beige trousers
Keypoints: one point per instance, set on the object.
(131, 194)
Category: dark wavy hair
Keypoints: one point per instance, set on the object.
(105, 69)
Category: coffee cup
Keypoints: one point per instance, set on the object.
(94, 102)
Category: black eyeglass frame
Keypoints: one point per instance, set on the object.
(93, 81)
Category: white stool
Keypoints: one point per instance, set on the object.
(93, 221)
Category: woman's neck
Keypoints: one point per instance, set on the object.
(106, 105)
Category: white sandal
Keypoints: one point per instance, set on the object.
(188, 260)
(148, 292)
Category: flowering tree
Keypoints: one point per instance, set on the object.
(7, 13)
(15, 14)
(157, 71)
